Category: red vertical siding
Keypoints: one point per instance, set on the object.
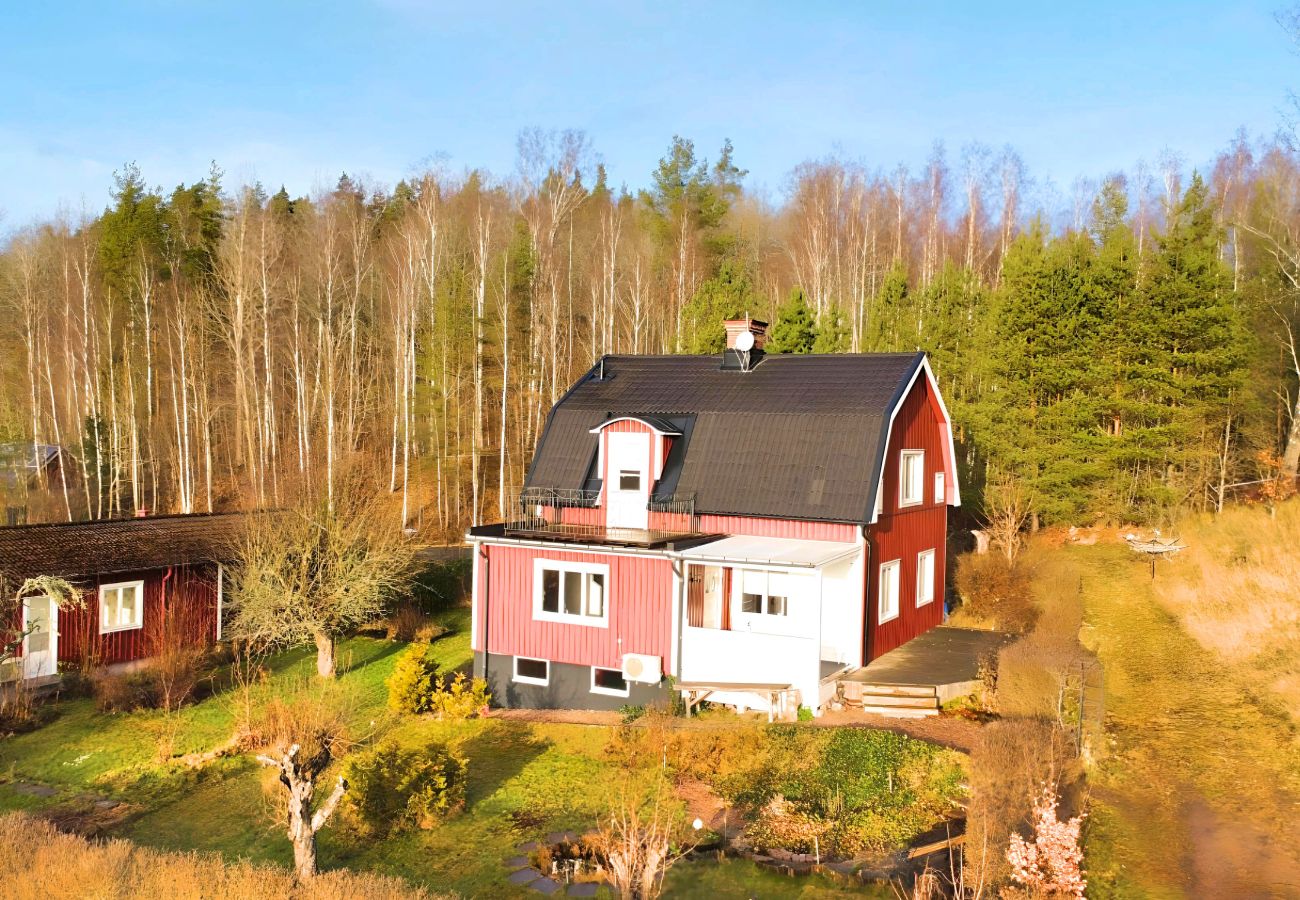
(639, 602)
(190, 594)
(902, 533)
(759, 527)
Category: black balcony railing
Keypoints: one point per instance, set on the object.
(574, 515)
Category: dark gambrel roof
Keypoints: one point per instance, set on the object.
(798, 437)
(83, 549)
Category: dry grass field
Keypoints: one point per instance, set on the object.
(37, 862)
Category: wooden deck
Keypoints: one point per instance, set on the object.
(944, 659)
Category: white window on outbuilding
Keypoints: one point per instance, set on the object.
(938, 487)
(121, 606)
(911, 478)
(887, 599)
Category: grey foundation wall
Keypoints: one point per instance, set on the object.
(569, 687)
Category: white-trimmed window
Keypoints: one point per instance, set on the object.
(608, 681)
(629, 480)
(532, 671)
(911, 478)
(924, 577)
(887, 601)
(938, 487)
(573, 592)
(764, 593)
(121, 606)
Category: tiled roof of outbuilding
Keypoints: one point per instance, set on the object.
(798, 437)
(80, 549)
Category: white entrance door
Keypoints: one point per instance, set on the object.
(629, 480)
(41, 646)
(713, 597)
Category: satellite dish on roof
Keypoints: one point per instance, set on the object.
(745, 341)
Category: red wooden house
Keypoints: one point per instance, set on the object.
(749, 526)
(146, 581)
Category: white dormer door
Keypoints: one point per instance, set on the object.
(627, 486)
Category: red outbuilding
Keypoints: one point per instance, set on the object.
(146, 584)
(749, 527)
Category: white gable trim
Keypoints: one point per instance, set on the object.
(953, 493)
(603, 425)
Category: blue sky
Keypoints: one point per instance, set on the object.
(294, 93)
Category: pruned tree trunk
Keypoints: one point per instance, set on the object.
(324, 655)
(303, 822)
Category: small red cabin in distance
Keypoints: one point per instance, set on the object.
(145, 582)
(745, 526)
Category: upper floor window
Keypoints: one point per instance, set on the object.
(121, 606)
(571, 592)
(888, 588)
(938, 487)
(924, 577)
(911, 474)
(629, 480)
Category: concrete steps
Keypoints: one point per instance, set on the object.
(903, 701)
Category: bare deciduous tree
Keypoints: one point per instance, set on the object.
(316, 573)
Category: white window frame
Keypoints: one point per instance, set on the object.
(939, 487)
(563, 566)
(609, 692)
(897, 568)
(138, 588)
(907, 497)
(765, 604)
(925, 595)
(528, 679)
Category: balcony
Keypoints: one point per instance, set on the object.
(573, 516)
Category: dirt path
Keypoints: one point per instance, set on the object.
(1200, 771)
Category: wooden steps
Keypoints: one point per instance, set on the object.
(903, 701)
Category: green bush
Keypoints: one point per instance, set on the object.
(460, 698)
(392, 789)
(416, 687)
(414, 681)
(854, 790)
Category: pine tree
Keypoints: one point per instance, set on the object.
(793, 331)
(727, 295)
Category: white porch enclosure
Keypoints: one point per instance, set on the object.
(769, 611)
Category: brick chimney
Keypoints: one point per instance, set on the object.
(737, 327)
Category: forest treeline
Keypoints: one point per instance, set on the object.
(218, 346)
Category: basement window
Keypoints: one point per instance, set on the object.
(608, 681)
(572, 592)
(911, 475)
(121, 606)
(532, 671)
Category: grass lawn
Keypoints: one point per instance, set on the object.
(1202, 766)
(525, 779)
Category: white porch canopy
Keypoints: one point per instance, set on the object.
(770, 551)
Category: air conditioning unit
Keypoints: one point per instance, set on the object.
(642, 668)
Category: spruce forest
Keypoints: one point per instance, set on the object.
(1116, 352)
